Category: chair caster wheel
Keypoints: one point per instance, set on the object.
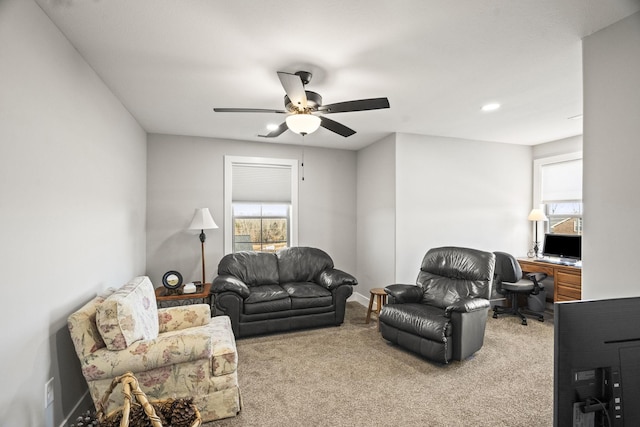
(524, 322)
(541, 319)
(495, 315)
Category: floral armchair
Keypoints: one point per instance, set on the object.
(176, 352)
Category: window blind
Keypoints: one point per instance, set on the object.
(261, 183)
(562, 181)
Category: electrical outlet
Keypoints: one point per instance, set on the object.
(48, 393)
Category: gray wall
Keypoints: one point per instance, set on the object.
(376, 229)
(460, 193)
(185, 173)
(611, 60)
(72, 208)
(418, 192)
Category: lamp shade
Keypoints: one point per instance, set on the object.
(537, 215)
(303, 124)
(202, 220)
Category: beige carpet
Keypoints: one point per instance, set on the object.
(351, 376)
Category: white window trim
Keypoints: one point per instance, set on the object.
(229, 161)
(537, 175)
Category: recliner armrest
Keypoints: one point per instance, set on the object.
(227, 282)
(467, 305)
(403, 294)
(333, 278)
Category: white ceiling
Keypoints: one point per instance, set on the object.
(438, 61)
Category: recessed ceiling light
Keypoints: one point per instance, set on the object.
(272, 126)
(491, 107)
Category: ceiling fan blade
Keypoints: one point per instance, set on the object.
(292, 84)
(283, 127)
(247, 110)
(358, 105)
(336, 127)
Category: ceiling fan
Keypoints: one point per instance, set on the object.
(305, 110)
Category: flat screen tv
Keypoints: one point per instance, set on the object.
(566, 246)
(597, 363)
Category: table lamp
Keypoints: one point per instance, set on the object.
(202, 220)
(536, 215)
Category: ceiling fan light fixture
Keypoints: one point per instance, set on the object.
(303, 124)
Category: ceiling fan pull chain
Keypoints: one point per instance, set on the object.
(302, 162)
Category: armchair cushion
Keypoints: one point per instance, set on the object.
(425, 321)
(128, 315)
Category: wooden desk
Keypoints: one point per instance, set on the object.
(567, 280)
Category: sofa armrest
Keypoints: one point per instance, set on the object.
(333, 278)
(467, 305)
(227, 282)
(402, 294)
(170, 348)
(187, 316)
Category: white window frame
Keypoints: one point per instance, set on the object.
(229, 162)
(538, 164)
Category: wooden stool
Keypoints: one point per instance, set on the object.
(381, 298)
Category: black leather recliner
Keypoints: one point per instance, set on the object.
(444, 317)
(294, 288)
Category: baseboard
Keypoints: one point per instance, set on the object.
(359, 298)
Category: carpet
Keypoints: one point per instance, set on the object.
(350, 376)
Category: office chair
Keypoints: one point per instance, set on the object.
(509, 281)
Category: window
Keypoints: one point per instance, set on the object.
(260, 226)
(261, 203)
(558, 186)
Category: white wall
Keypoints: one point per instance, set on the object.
(611, 60)
(555, 148)
(376, 236)
(72, 208)
(185, 173)
(453, 192)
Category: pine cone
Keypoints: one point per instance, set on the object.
(183, 413)
(138, 418)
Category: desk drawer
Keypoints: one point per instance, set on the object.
(536, 267)
(569, 285)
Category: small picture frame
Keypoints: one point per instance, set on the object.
(172, 280)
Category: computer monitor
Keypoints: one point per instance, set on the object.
(566, 246)
(597, 363)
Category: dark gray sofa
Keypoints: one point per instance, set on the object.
(294, 288)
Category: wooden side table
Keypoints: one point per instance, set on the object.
(202, 295)
(381, 299)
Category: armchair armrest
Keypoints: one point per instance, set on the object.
(187, 316)
(333, 278)
(402, 294)
(467, 305)
(536, 278)
(167, 349)
(227, 282)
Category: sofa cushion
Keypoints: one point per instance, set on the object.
(302, 264)
(266, 293)
(307, 294)
(128, 315)
(253, 268)
(418, 319)
(268, 306)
